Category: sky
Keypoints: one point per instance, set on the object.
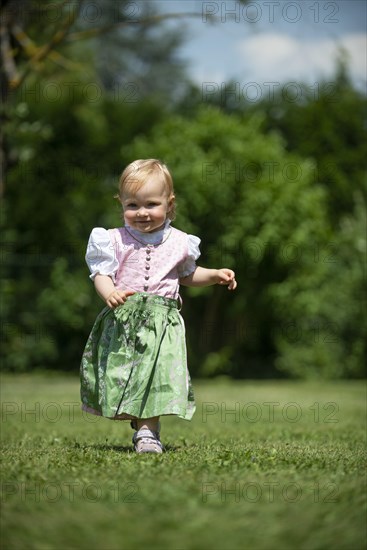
(269, 43)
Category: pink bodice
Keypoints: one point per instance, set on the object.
(147, 267)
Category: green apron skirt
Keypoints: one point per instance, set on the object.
(134, 364)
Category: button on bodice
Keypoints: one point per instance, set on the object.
(147, 266)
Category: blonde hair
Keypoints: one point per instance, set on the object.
(137, 173)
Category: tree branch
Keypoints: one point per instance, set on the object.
(7, 57)
(31, 50)
(43, 51)
(83, 35)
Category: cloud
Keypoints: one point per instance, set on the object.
(356, 47)
(277, 57)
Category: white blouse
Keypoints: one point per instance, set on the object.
(101, 258)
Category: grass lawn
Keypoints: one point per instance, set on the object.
(263, 465)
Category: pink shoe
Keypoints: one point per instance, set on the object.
(146, 441)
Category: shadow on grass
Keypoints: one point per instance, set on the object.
(128, 449)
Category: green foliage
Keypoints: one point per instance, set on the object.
(64, 128)
(327, 321)
(275, 191)
(327, 124)
(257, 208)
(66, 160)
(260, 211)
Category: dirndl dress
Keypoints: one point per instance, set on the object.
(134, 364)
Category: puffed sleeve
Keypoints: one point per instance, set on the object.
(189, 265)
(100, 256)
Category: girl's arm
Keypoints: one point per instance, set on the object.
(109, 293)
(206, 277)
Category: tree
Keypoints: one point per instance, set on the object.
(53, 39)
(64, 156)
(260, 211)
(64, 132)
(328, 124)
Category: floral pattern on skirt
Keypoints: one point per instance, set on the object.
(134, 364)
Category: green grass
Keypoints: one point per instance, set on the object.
(250, 479)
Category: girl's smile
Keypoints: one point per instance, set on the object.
(146, 209)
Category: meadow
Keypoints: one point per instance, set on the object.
(263, 465)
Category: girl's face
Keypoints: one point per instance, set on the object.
(146, 209)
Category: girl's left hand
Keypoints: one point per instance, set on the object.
(226, 277)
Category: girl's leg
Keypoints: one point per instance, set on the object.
(151, 424)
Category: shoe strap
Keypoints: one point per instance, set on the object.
(145, 433)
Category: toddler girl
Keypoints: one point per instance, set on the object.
(134, 363)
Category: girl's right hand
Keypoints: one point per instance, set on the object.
(118, 297)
